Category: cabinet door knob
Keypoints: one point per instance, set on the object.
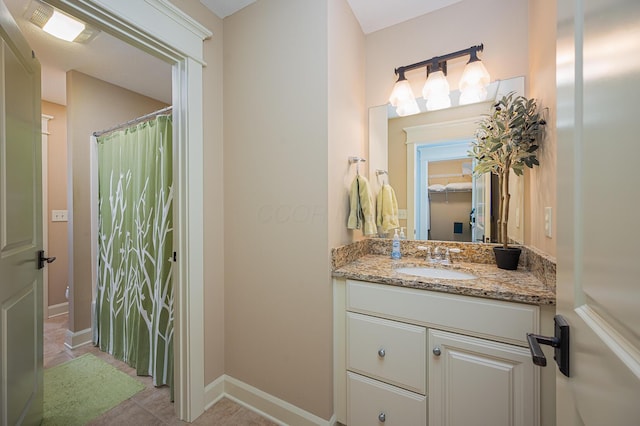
(382, 417)
(381, 353)
(437, 351)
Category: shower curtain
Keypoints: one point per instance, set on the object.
(134, 306)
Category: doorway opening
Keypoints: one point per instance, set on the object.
(164, 31)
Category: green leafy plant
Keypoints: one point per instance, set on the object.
(508, 139)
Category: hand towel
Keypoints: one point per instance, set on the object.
(361, 215)
(387, 209)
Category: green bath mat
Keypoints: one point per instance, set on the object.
(82, 389)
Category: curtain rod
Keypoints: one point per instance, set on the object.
(134, 121)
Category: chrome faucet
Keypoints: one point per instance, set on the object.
(426, 249)
(440, 254)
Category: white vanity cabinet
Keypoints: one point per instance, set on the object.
(418, 357)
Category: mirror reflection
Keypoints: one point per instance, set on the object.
(432, 174)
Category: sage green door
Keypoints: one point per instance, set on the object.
(20, 229)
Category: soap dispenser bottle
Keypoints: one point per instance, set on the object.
(402, 236)
(395, 246)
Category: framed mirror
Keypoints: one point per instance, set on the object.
(426, 158)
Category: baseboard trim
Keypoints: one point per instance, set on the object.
(79, 338)
(213, 392)
(260, 402)
(57, 310)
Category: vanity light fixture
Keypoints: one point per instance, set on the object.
(472, 84)
(59, 24)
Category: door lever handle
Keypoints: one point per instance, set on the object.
(560, 342)
(42, 259)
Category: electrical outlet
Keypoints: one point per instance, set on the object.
(547, 221)
(402, 214)
(59, 215)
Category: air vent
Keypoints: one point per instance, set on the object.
(39, 13)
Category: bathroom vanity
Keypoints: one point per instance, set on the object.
(416, 350)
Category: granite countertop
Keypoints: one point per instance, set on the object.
(514, 286)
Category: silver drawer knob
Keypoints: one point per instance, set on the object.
(381, 353)
(437, 351)
(382, 417)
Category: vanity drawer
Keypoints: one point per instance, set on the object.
(386, 350)
(492, 319)
(374, 403)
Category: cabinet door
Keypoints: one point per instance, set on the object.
(479, 382)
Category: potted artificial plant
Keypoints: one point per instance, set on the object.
(507, 139)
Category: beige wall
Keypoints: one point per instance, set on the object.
(214, 306)
(541, 189)
(278, 316)
(57, 200)
(92, 105)
(447, 208)
(347, 116)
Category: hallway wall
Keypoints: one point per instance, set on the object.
(57, 200)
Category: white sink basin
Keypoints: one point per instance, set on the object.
(445, 274)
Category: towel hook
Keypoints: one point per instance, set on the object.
(357, 160)
(382, 172)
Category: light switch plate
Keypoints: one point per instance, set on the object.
(59, 215)
(402, 214)
(547, 221)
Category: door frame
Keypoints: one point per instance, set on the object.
(45, 210)
(161, 29)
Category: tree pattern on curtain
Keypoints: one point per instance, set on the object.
(134, 306)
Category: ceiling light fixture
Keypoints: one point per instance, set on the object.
(59, 24)
(472, 84)
(62, 26)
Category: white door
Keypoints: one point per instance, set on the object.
(598, 79)
(481, 208)
(20, 229)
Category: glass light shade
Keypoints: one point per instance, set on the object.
(472, 95)
(63, 26)
(436, 91)
(401, 93)
(407, 107)
(473, 83)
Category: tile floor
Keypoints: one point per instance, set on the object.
(149, 407)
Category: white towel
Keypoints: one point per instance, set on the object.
(459, 186)
(361, 215)
(387, 209)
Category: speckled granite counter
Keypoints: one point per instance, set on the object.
(515, 286)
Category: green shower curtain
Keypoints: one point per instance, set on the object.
(134, 306)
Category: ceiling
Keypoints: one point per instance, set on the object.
(110, 59)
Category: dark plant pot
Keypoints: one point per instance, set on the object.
(507, 258)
